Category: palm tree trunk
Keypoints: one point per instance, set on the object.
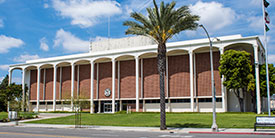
(161, 71)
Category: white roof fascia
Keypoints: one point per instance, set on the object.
(187, 44)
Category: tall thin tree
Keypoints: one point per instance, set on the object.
(161, 24)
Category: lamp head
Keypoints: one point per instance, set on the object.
(200, 25)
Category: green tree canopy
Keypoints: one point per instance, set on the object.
(237, 70)
(11, 93)
(271, 70)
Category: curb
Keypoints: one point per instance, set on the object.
(232, 133)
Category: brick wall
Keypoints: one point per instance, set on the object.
(204, 74)
(66, 83)
(150, 78)
(127, 79)
(95, 80)
(33, 85)
(179, 76)
(84, 81)
(105, 79)
(41, 84)
(49, 84)
(57, 83)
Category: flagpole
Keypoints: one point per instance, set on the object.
(266, 60)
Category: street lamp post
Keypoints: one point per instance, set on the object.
(214, 126)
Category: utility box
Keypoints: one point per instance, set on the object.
(12, 115)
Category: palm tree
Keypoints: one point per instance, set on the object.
(162, 24)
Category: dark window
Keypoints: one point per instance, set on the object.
(180, 100)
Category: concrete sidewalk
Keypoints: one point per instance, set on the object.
(153, 129)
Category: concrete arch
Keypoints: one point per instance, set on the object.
(31, 67)
(82, 61)
(125, 57)
(148, 55)
(103, 59)
(174, 52)
(16, 68)
(63, 63)
(205, 49)
(47, 65)
(248, 47)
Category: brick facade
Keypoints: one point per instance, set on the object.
(33, 84)
(203, 78)
(178, 69)
(150, 78)
(127, 79)
(105, 79)
(84, 81)
(58, 83)
(66, 83)
(49, 84)
(179, 76)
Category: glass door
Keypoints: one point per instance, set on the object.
(107, 107)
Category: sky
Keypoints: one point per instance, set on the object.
(32, 29)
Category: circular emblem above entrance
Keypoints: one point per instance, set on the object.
(107, 92)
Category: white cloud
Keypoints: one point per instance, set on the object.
(43, 44)
(25, 57)
(271, 59)
(256, 22)
(69, 42)
(136, 5)
(213, 15)
(4, 67)
(86, 13)
(9, 42)
(1, 23)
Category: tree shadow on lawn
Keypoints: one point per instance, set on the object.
(188, 125)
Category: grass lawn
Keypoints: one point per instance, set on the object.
(185, 120)
(3, 115)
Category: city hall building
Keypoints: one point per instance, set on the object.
(121, 74)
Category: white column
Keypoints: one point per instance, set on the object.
(72, 86)
(223, 90)
(191, 80)
(258, 96)
(54, 87)
(113, 84)
(10, 76)
(137, 83)
(23, 88)
(38, 87)
(92, 88)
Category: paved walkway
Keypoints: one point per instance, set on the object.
(147, 129)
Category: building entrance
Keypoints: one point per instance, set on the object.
(107, 108)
